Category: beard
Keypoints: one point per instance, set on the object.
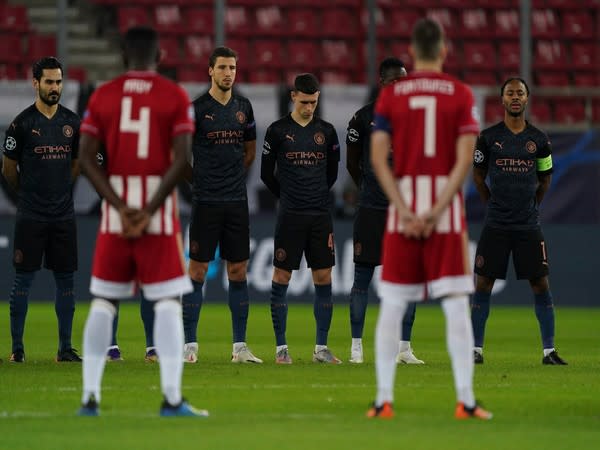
(50, 99)
(223, 87)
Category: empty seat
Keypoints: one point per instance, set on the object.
(544, 24)
(586, 79)
(198, 49)
(479, 55)
(131, 16)
(167, 19)
(267, 52)
(11, 48)
(540, 111)
(264, 76)
(480, 78)
(446, 19)
(497, 4)
(494, 111)
(13, 18)
(39, 46)
(336, 54)
(569, 110)
(474, 23)
(192, 74)
(577, 25)
(550, 54)
(552, 79)
(269, 21)
(507, 23)
(399, 49)
(585, 56)
(509, 55)
(336, 22)
(242, 48)
(8, 71)
(77, 73)
(336, 77)
(238, 22)
(169, 52)
(199, 20)
(380, 20)
(403, 21)
(302, 22)
(303, 54)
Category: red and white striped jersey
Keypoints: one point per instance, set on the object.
(136, 116)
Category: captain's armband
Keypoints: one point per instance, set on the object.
(544, 164)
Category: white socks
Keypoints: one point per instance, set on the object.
(387, 335)
(96, 339)
(459, 340)
(168, 338)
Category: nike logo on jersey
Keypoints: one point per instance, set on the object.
(499, 144)
(209, 116)
(290, 138)
(34, 131)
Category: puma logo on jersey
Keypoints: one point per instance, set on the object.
(209, 116)
(34, 131)
(499, 144)
(290, 138)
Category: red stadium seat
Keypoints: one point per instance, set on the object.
(8, 71)
(131, 16)
(238, 22)
(577, 25)
(192, 74)
(479, 55)
(540, 111)
(302, 22)
(509, 55)
(474, 23)
(494, 111)
(242, 48)
(338, 23)
(446, 18)
(480, 78)
(198, 49)
(399, 49)
(585, 56)
(40, 46)
(569, 110)
(544, 24)
(380, 20)
(77, 73)
(552, 79)
(199, 20)
(336, 54)
(497, 4)
(403, 21)
(268, 53)
(169, 52)
(14, 18)
(380, 51)
(269, 21)
(507, 23)
(167, 19)
(596, 110)
(303, 54)
(11, 48)
(550, 54)
(336, 77)
(586, 79)
(454, 58)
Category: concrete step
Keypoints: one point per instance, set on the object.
(74, 28)
(92, 59)
(91, 45)
(47, 14)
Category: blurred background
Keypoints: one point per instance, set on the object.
(553, 44)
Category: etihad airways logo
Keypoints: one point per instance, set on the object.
(52, 151)
(305, 158)
(515, 165)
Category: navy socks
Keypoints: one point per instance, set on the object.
(191, 304)
(19, 295)
(544, 311)
(238, 305)
(279, 309)
(480, 310)
(359, 298)
(323, 311)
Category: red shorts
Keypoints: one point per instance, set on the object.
(154, 261)
(433, 267)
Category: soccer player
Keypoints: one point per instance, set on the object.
(430, 121)
(40, 163)
(146, 123)
(224, 147)
(369, 222)
(517, 158)
(299, 166)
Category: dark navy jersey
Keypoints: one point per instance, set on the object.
(44, 149)
(370, 194)
(513, 163)
(218, 148)
(299, 164)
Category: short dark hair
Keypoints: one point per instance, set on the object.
(48, 62)
(514, 79)
(306, 83)
(388, 64)
(140, 45)
(427, 39)
(221, 52)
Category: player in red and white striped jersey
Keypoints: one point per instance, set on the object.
(145, 123)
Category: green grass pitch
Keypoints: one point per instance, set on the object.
(308, 406)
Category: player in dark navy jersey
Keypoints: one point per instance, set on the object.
(224, 147)
(517, 158)
(40, 163)
(299, 166)
(369, 223)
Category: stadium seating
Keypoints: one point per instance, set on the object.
(474, 24)
(569, 110)
(548, 79)
(199, 20)
(13, 18)
(506, 23)
(479, 55)
(8, 71)
(11, 48)
(540, 111)
(494, 111)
